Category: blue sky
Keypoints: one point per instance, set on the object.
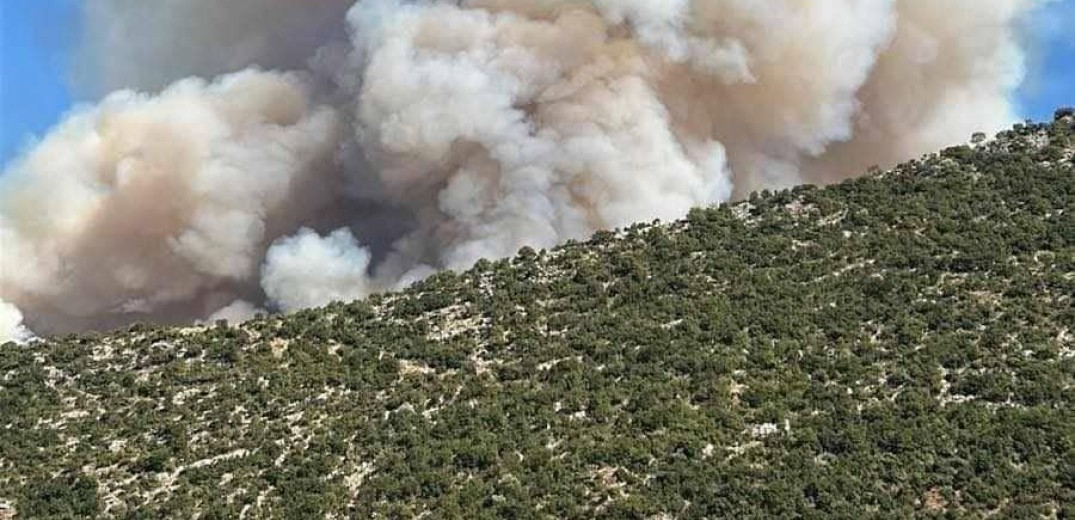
(36, 37)
(1051, 80)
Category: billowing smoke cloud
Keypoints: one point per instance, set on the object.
(407, 136)
(161, 206)
(307, 270)
(11, 327)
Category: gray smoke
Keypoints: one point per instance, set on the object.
(147, 45)
(340, 154)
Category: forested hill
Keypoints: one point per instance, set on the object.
(896, 346)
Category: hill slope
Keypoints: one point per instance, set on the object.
(899, 345)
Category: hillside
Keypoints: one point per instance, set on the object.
(895, 346)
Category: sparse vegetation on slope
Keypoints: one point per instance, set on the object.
(895, 346)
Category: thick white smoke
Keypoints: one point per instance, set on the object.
(143, 205)
(430, 134)
(502, 131)
(11, 327)
(307, 270)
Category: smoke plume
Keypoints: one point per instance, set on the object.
(11, 327)
(307, 270)
(278, 156)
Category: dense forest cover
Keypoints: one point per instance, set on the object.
(901, 345)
